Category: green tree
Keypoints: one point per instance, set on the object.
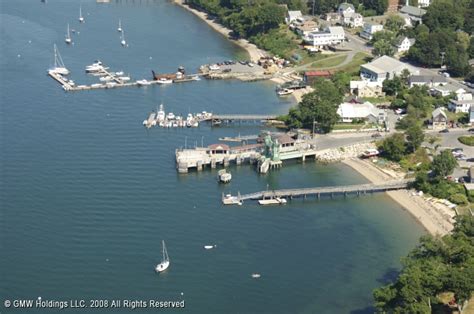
(395, 23)
(443, 14)
(393, 86)
(415, 137)
(444, 163)
(393, 147)
(383, 47)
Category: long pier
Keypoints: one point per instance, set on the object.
(318, 192)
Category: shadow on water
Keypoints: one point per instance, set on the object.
(389, 276)
(366, 310)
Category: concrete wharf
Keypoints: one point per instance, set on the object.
(318, 192)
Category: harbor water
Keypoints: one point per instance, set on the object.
(87, 193)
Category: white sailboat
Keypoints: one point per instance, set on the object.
(81, 18)
(119, 29)
(123, 42)
(68, 39)
(165, 262)
(59, 67)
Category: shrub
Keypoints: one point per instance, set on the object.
(458, 198)
(467, 140)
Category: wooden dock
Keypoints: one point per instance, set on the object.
(318, 192)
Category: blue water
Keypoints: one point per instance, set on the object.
(87, 194)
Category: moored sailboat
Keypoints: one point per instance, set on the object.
(68, 39)
(81, 18)
(165, 261)
(59, 67)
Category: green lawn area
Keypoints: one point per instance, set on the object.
(348, 126)
(467, 140)
(378, 100)
(331, 61)
(354, 65)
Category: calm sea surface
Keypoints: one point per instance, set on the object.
(87, 194)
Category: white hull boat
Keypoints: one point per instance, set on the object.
(59, 67)
(165, 261)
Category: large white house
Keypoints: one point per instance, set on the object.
(460, 105)
(355, 111)
(332, 35)
(345, 8)
(383, 68)
(370, 29)
(403, 44)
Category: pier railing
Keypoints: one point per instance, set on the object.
(330, 190)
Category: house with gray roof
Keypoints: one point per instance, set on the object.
(439, 119)
(383, 68)
(427, 80)
(414, 13)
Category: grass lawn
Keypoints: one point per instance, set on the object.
(347, 126)
(331, 61)
(354, 65)
(378, 100)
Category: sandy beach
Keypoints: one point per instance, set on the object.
(434, 219)
(254, 52)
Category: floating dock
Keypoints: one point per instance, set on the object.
(318, 192)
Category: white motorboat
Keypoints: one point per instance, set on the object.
(161, 114)
(59, 67)
(224, 176)
(170, 116)
(119, 73)
(165, 261)
(110, 84)
(106, 79)
(284, 92)
(125, 78)
(273, 201)
(95, 67)
(68, 39)
(122, 39)
(143, 82)
(164, 81)
(209, 247)
(119, 28)
(81, 18)
(255, 275)
(214, 67)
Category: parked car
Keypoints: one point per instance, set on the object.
(376, 135)
(444, 131)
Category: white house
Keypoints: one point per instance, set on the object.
(355, 111)
(330, 36)
(448, 89)
(439, 119)
(403, 44)
(366, 88)
(423, 3)
(345, 8)
(414, 13)
(370, 29)
(427, 80)
(460, 105)
(383, 68)
(293, 16)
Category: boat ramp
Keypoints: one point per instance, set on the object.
(319, 192)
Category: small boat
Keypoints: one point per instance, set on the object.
(370, 153)
(122, 41)
(284, 92)
(209, 247)
(272, 201)
(81, 18)
(161, 115)
(59, 67)
(143, 82)
(96, 85)
(95, 67)
(165, 261)
(228, 199)
(170, 116)
(119, 29)
(106, 79)
(214, 67)
(255, 275)
(164, 81)
(119, 73)
(125, 78)
(110, 84)
(224, 176)
(68, 39)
